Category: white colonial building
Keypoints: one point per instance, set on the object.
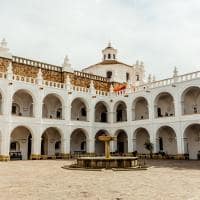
(49, 111)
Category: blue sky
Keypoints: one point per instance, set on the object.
(162, 34)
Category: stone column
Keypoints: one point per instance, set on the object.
(90, 146)
(111, 117)
(36, 147)
(134, 144)
(130, 146)
(5, 146)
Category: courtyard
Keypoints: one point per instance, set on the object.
(164, 180)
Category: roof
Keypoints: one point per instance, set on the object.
(108, 62)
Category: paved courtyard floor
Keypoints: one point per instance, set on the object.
(46, 180)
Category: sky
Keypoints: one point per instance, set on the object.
(163, 34)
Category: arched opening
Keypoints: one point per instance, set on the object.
(51, 142)
(140, 109)
(52, 107)
(164, 105)
(122, 142)
(22, 104)
(78, 142)
(121, 112)
(99, 145)
(78, 110)
(191, 101)
(1, 102)
(101, 112)
(192, 140)
(166, 140)
(141, 136)
(20, 143)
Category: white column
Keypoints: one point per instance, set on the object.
(180, 145)
(134, 144)
(90, 145)
(36, 144)
(5, 143)
(130, 145)
(65, 146)
(38, 104)
(111, 117)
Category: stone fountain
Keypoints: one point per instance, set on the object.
(107, 162)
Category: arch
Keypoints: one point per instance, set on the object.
(23, 102)
(120, 110)
(192, 140)
(190, 100)
(99, 145)
(78, 141)
(121, 145)
(52, 106)
(101, 112)
(50, 139)
(140, 109)
(21, 142)
(166, 140)
(79, 109)
(141, 136)
(164, 105)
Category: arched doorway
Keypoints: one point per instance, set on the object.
(122, 142)
(164, 105)
(21, 143)
(166, 140)
(121, 112)
(191, 101)
(51, 142)
(140, 109)
(78, 110)
(101, 112)
(22, 104)
(141, 136)
(99, 145)
(78, 142)
(192, 140)
(52, 107)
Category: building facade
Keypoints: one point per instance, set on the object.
(49, 111)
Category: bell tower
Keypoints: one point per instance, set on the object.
(109, 53)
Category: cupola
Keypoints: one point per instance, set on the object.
(109, 53)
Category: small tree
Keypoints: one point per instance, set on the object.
(149, 146)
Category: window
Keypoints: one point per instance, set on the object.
(127, 76)
(109, 56)
(109, 74)
(137, 77)
(14, 109)
(58, 113)
(13, 146)
(57, 145)
(83, 112)
(114, 56)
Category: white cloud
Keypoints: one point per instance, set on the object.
(161, 33)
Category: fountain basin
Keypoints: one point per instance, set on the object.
(107, 163)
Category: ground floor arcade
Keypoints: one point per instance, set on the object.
(52, 142)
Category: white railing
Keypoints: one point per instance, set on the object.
(169, 81)
(34, 63)
(24, 79)
(80, 89)
(102, 93)
(53, 84)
